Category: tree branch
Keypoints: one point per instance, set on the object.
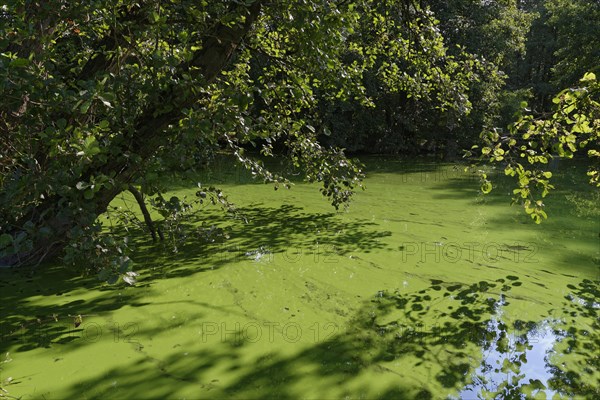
(147, 218)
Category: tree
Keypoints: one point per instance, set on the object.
(472, 47)
(577, 27)
(409, 107)
(494, 32)
(532, 141)
(559, 48)
(94, 93)
(102, 94)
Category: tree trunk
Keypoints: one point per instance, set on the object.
(147, 218)
(219, 46)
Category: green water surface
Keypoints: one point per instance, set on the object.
(422, 289)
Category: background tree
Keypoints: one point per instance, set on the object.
(416, 85)
(560, 48)
(495, 33)
(475, 44)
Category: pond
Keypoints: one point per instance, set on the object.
(422, 289)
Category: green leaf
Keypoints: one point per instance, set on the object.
(529, 210)
(5, 240)
(85, 106)
(19, 62)
(88, 194)
(486, 187)
(523, 180)
(90, 146)
(588, 77)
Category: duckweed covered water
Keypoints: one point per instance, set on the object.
(422, 289)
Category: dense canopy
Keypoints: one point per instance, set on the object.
(102, 97)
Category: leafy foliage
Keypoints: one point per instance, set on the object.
(103, 95)
(533, 143)
(577, 27)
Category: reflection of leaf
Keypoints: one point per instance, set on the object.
(536, 384)
(464, 319)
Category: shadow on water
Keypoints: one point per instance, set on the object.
(45, 309)
(258, 231)
(457, 332)
(454, 332)
(513, 360)
(569, 179)
(573, 212)
(544, 359)
(27, 325)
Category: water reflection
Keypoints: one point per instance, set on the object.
(514, 364)
(486, 353)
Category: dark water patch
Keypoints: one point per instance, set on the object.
(416, 222)
(569, 276)
(488, 266)
(548, 272)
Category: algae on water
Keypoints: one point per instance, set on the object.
(420, 290)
